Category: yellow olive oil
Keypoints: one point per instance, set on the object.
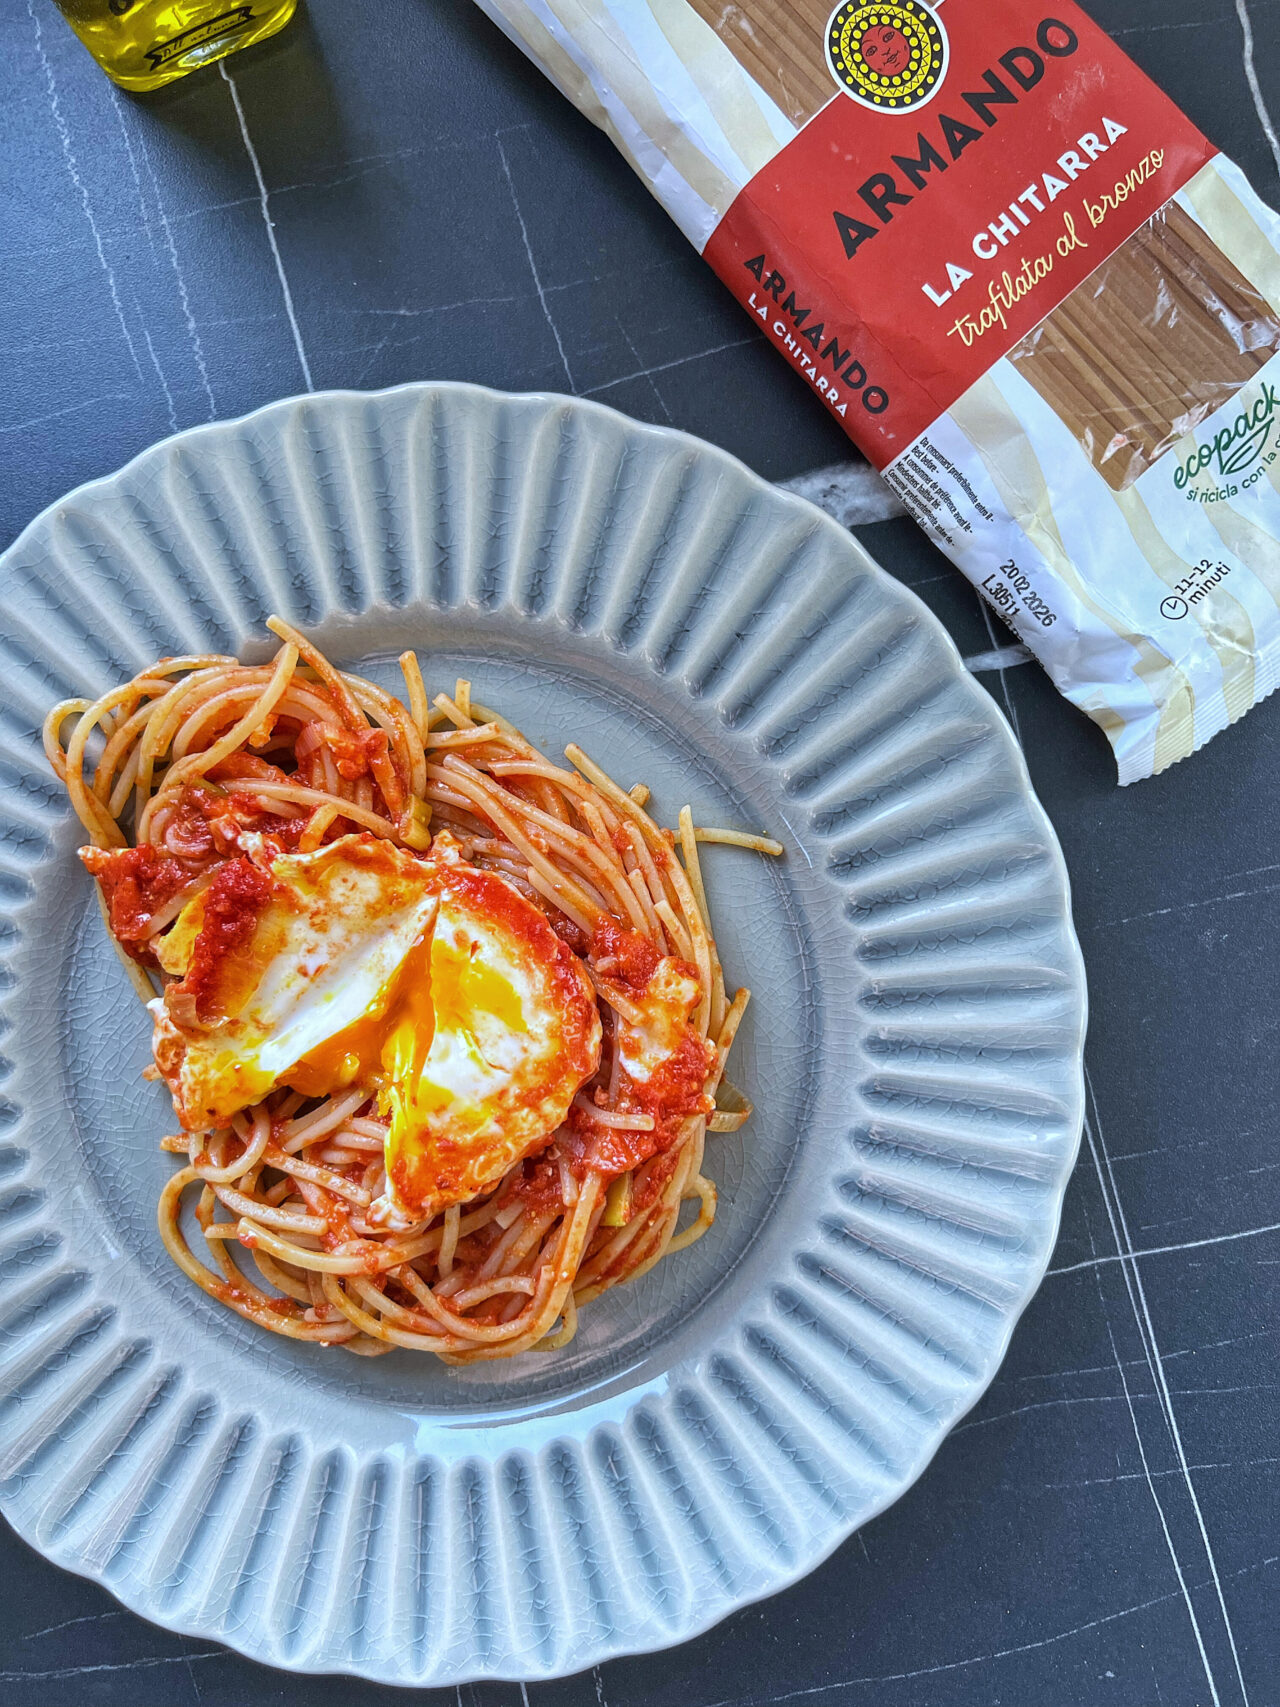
(143, 44)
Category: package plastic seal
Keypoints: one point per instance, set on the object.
(1042, 304)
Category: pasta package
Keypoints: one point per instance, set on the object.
(1032, 293)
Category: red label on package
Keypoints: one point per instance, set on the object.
(976, 165)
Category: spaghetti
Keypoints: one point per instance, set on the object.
(1156, 341)
(177, 772)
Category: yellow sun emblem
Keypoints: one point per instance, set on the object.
(889, 56)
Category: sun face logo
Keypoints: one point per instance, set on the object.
(890, 56)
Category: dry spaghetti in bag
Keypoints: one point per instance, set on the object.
(1029, 290)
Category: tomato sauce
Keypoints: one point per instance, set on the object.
(604, 1149)
(137, 883)
(232, 905)
(675, 1091)
(648, 1190)
(623, 954)
(205, 823)
(355, 753)
(187, 834)
(245, 812)
(676, 1088)
(538, 1182)
(571, 935)
(237, 766)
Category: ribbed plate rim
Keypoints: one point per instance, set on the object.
(1073, 964)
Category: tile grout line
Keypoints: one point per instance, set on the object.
(1155, 1497)
(195, 1686)
(533, 265)
(653, 384)
(1025, 1647)
(164, 383)
(1146, 1329)
(1251, 76)
(1004, 680)
(270, 224)
(663, 367)
(1189, 906)
(193, 331)
(957, 1665)
(1133, 1415)
(118, 109)
(1124, 1256)
(69, 157)
(56, 414)
(1133, 1256)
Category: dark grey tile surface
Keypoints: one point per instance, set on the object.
(388, 192)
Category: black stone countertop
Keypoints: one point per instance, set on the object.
(388, 191)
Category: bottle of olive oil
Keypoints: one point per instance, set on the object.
(145, 43)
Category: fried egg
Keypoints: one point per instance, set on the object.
(664, 1010)
(435, 985)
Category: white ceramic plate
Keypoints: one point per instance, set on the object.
(912, 1048)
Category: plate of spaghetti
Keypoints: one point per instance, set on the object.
(418, 1256)
(443, 1022)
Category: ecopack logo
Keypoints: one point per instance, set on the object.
(891, 57)
(1236, 446)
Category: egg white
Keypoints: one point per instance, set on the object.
(511, 1028)
(330, 939)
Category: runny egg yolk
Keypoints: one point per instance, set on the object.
(434, 987)
(439, 985)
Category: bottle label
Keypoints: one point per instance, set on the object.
(213, 29)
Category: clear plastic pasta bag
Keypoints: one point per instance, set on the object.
(1043, 305)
